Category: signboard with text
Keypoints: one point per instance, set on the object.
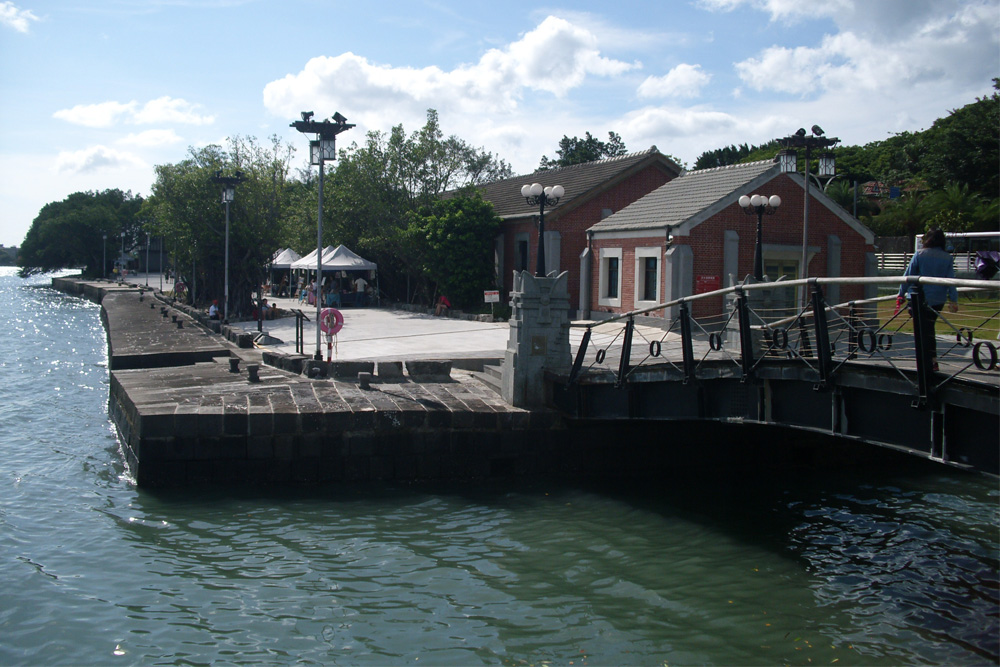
(491, 296)
(704, 284)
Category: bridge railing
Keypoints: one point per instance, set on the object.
(767, 322)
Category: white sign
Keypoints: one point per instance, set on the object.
(491, 296)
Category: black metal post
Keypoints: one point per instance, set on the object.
(540, 257)
(917, 310)
(822, 334)
(687, 346)
(746, 334)
(758, 253)
(623, 364)
(580, 354)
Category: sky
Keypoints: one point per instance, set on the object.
(95, 93)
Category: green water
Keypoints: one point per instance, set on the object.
(847, 566)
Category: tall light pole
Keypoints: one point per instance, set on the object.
(147, 259)
(787, 159)
(760, 206)
(229, 184)
(536, 195)
(121, 261)
(104, 257)
(321, 149)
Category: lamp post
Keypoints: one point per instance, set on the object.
(229, 184)
(321, 149)
(121, 262)
(147, 259)
(787, 159)
(536, 195)
(760, 206)
(104, 257)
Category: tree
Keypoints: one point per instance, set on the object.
(577, 150)
(70, 233)
(185, 210)
(453, 240)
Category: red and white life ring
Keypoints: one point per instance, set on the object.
(331, 321)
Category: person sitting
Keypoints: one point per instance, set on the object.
(213, 310)
(267, 312)
(442, 306)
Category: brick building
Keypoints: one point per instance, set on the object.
(594, 190)
(691, 236)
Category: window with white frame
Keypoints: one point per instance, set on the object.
(647, 276)
(609, 281)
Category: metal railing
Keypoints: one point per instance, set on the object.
(756, 329)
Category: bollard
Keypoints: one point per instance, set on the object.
(180, 324)
(152, 305)
(234, 364)
(252, 370)
(364, 380)
(173, 318)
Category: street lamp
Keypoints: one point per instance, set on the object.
(121, 262)
(104, 257)
(147, 259)
(229, 184)
(321, 149)
(787, 159)
(760, 206)
(536, 195)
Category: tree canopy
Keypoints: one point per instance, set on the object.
(577, 150)
(71, 232)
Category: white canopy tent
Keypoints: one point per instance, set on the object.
(283, 259)
(343, 258)
(309, 261)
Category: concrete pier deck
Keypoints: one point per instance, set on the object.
(195, 406)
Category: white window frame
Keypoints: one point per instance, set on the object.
(641, 254)
(602, 284)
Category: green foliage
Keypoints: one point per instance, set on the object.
(185, 208)
(70, 233)
(376, 186)
(577, 150)
(452, 242)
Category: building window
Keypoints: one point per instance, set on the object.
(521, 252)
(647, 276)
(612, 283)
(609, 280)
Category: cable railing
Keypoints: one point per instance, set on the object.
(791, 322)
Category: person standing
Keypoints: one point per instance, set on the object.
(932, 261)
(359, 289)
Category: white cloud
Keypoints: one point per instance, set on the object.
(151, 138)
(682, 81)
(555, 57)
(95, 158)
(104, 114)
(171, 110)
(18, 19)
(161, 110)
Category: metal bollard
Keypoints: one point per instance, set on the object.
(252, 370)
(180, 324)
(365, 380)
(234, 364)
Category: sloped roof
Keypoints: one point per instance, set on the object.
(579, 180)
(684, 197)
(309, 261)
(344, 259)
(283, 259)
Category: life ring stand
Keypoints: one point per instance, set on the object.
(331, 321)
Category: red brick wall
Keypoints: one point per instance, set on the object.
(573, 227)
(782, 228)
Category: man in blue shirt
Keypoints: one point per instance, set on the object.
(932, 261)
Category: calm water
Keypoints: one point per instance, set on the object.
(815, 567)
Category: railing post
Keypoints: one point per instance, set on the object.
(580, 355)
(687, 345)
(920, 331)
(623, 366)
(822, 334)
(852, 331)
(746, 333)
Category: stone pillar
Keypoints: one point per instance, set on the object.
(539, 337)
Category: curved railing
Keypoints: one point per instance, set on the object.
(761, 323)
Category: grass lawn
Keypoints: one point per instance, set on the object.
(973, 311)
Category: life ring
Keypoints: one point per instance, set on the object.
(331, 321)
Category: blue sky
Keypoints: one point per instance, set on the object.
(97, 92)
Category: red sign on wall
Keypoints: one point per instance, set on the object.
(704, 284)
